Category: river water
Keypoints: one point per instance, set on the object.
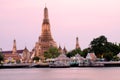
(105, 73)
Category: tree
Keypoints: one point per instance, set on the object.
(51, 53)
(85, 52)
(74, 52)
(36, 58)
(116, 58)
(108, 56)
(1, 57)
(98, 46)
(114, 48)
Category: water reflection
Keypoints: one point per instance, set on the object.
(61, 74)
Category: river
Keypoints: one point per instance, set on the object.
(105, 73)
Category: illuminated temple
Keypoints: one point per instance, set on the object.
(45, 40)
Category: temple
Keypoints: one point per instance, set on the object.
(77, 44)
(16, 56)
(14, 51)
(45, 40)
(12, 56)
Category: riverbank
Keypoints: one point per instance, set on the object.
(46, 65)
(26, 65)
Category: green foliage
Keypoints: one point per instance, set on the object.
(36, 58)
(17, 61)
(115, 58)
(1, 57)
(85, 52)
(100, 46)
(74, 52)
(111, 47)
(51, 53)
(108, 56)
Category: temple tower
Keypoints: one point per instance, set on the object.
(26, 55)
(14, 50)
(60, 50)
(64, 50)
(45, 40)
(77, 43)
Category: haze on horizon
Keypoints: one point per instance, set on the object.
(86, 19)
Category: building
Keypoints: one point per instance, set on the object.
(14, 55)
(77, 44)
(26, 56)
(45, 40)
(91, 56)
(118, 55)
(60, 50)
(65, 50)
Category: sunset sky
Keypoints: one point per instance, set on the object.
(86, 19)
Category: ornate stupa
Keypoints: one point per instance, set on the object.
(14, 50)
(45, 40)
(77, 44)
(13, 54)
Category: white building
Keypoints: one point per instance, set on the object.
(91, 56)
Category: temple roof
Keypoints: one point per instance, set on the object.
(91, 56)
(9, 52)
(62, 57)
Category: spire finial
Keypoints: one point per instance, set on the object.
(45, 20)
(45, 4)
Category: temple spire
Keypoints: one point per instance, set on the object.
(45, 4)
(60, 50)
(45, 13)
(45, 40)
(77, 43)
(64, 50)
(45, 20)
(14, 47)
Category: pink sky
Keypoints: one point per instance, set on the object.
(86, 19)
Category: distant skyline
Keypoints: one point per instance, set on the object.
(85, 19)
